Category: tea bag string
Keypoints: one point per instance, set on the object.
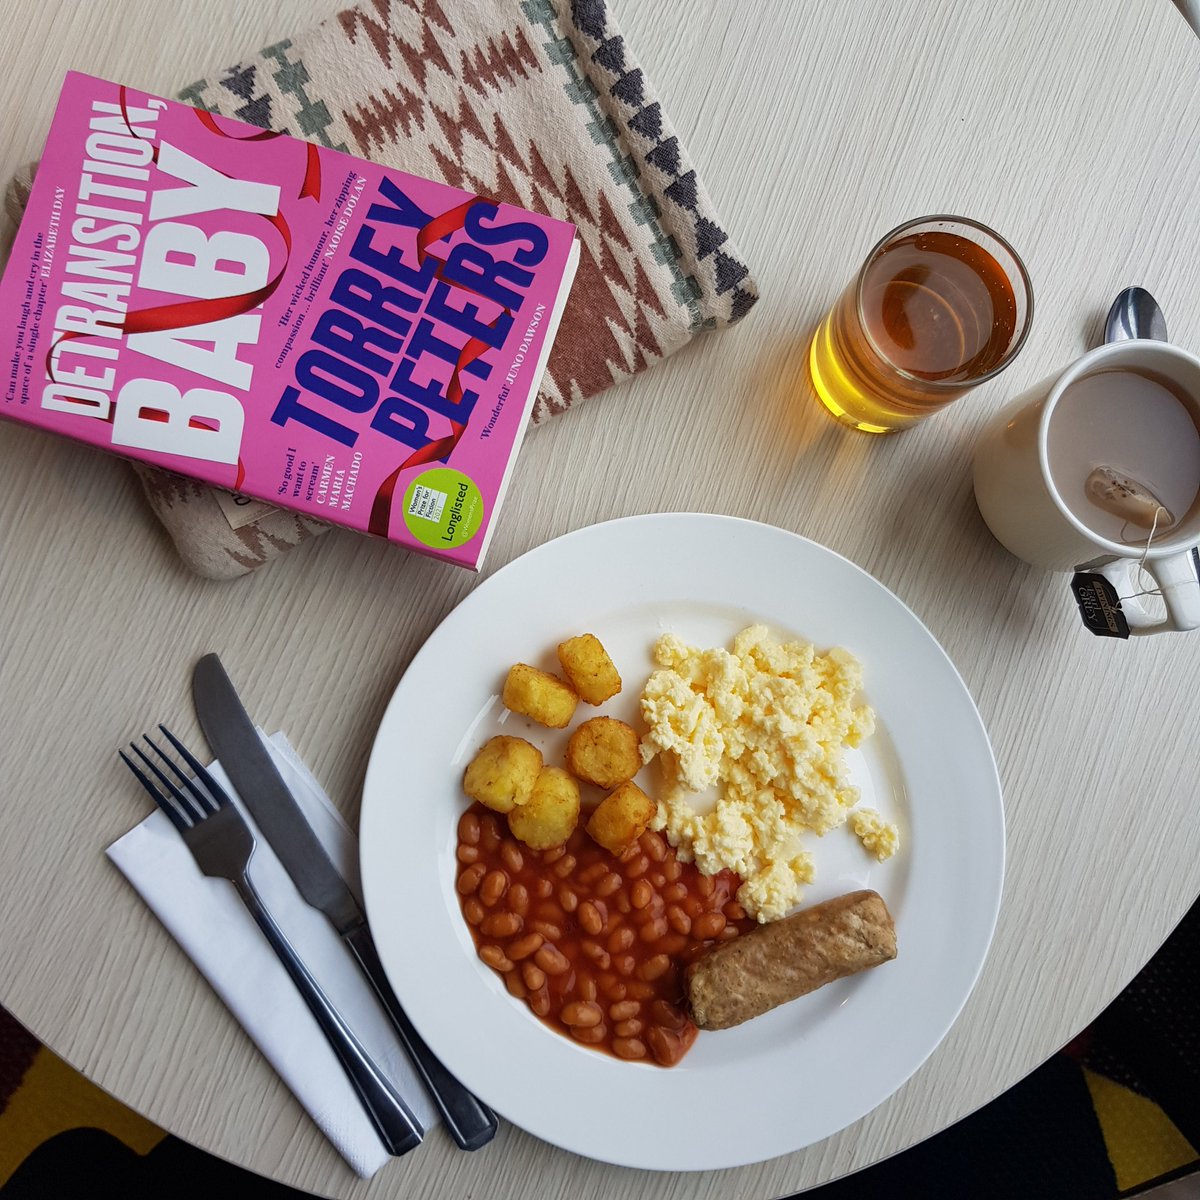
(1141, 564)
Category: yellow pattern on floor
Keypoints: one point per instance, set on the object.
(1142, 1141)
(53, 1098)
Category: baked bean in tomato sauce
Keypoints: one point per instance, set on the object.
(594, 944)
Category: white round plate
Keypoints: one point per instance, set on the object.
(811, 1067)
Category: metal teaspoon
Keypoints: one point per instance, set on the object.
(1135, 314)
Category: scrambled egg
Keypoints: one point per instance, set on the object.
(881, 838)
(766, 725)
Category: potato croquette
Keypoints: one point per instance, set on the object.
(503, 773)
(620, 818)
(586, 664)
(540, 696)
(551, 814)
(604, 751)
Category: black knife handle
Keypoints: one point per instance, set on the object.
(470, 1122)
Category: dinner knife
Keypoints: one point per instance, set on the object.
(235, 741)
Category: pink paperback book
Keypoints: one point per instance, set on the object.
(279, 319)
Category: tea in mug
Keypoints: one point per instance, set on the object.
(933, 312)
(1123, 452)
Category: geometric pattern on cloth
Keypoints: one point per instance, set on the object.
(536, 103)
(671, 180)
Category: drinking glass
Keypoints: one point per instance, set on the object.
(941, 304)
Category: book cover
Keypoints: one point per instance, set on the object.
(282, 320)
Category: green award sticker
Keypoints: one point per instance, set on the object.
(443, 508)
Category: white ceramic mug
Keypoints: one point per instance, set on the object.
(1022, 506)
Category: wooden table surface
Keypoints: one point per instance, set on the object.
(817, 125)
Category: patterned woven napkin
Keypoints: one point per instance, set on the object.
(537, 103)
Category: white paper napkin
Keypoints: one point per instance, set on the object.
(216, 931)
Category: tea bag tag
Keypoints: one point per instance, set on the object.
(1099, 605)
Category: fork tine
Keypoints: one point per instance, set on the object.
(204, 804)
(188, 808)
(216, 792)
(158, 797)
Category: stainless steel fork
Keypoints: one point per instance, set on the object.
(222, 845)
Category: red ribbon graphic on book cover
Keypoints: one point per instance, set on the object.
(187, 313)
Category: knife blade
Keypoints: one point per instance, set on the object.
(234, 739)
